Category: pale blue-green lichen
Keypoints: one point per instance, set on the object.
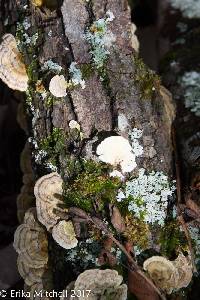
(195, 236)
(23, 38)
(148, 196)
(190, 82)
(84, 255)
(76, 75)
(101, 39)
(49, 65)
(189, 8)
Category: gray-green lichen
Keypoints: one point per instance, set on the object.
(101, 39)
(190, 81)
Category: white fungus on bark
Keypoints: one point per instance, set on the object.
(74, 125)
(116, 150)
(134, 40)
(58, 86)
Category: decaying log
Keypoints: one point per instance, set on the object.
(129, 91)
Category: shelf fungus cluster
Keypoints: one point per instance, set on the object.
(169, 275)
(30, 242)
(63, 233)
(50, 210)
(25, 199)
(99, 284)
(12, 69)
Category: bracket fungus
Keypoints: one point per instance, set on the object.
(162, 271)
(102, 284)
(25, 199)
(184, 266)
(63, 233)
(30, 242)
(12, 69)
(40, 289)
(48, 192)
(169, 275)
(30, 275)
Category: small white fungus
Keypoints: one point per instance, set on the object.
(116, 150)
(58, 85)
(74, 125)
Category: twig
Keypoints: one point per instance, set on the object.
(98, 223)
(179, 196)
(133, 264)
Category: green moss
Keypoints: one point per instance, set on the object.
(91, 186)
(124, 206)
(54, 143)
(50, 100)
(29, 93)
(137, 231)
(32, 71)
(87, 70)
(172, 239)
(145, 78)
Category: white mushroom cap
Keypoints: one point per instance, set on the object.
(74, 125)
(63, 233)
(48, 190)
(12, 69)
(116, 150)
(134, 40)
(58, 86)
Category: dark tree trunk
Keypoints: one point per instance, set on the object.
(128, 87)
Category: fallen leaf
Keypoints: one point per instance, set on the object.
(116, 219)
(138, 286)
